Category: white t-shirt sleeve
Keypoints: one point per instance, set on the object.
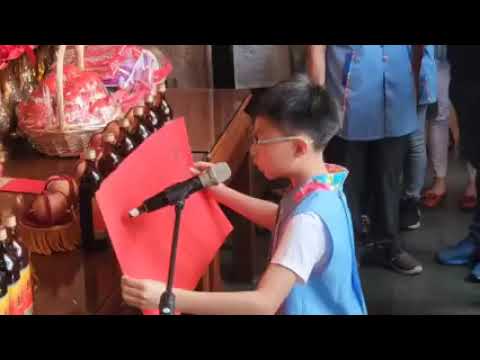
(303, 245)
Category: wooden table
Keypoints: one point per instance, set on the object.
(88, 283)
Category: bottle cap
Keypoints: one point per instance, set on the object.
(3, 234)
(161, 88)
(90, 154)
(150, 99)
(138, 111)
(124, 123)
(11, 221)
(109, 138)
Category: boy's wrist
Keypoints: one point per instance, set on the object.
(213, 190)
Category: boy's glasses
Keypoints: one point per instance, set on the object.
(256, 141)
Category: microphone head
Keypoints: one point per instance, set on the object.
(134, 213)
(215, 175)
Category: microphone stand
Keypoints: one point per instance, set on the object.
(167, 300)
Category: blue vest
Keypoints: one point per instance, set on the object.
(334, 288)
(374, 87)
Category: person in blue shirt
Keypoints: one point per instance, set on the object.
(375, 88)
(465, 81)
(415, 167)
(313, 268)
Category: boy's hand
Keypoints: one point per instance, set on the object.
(200, 167)
(142, 294)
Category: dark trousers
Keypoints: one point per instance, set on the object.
(474, 233)
(465, 97)
(373, 185)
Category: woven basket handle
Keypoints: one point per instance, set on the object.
(60, 64)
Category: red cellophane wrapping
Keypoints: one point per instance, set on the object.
(13, 52)
(87, 102)
(130, 69)
(65, 130)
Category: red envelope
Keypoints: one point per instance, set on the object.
(142, 245)
(21, 186)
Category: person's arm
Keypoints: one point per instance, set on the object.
(273, 289)
(316, 63)
(302, 246)
(260, 212)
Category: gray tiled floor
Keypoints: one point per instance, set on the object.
(439, 290)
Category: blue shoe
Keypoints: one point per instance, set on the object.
(460, 254)
(476, 272)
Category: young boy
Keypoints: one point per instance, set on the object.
(313, 270)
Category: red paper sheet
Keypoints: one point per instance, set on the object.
(21, 186)
(142, 245)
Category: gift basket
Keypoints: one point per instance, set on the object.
(130, 72)
(10, 97)
(17, 80)
(49, 223)
(53, 239)
(66, 109)
(4, 117)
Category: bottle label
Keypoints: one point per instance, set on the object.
(26, 287)
(98, 222)
(9, 267)
(13, 290)
(4, 305)
(15, 299)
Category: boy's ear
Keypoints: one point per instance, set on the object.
(301, 147)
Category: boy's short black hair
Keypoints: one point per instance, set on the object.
(298, 105)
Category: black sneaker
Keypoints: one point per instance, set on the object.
(405, 264)
(364, 235)
(409, 215)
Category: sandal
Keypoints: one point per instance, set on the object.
(468, 203)
(431, 200)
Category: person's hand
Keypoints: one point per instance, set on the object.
(142, 294)
(200, 167)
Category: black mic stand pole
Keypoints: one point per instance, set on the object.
(167, 301)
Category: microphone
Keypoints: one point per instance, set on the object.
(212, 176)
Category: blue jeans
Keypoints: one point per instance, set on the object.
(416, 161)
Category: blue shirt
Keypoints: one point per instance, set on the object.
(441, 53)
(374, 86)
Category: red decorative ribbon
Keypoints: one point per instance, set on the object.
(310, 188)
